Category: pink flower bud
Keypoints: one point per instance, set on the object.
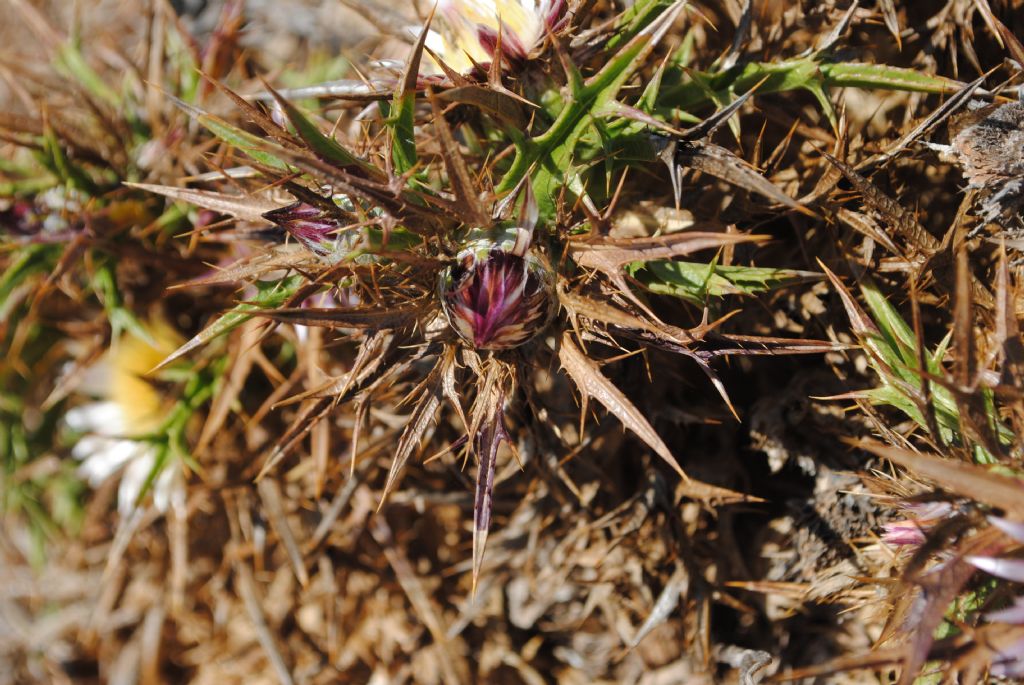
(495, 299)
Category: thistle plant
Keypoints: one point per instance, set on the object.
(292, 353)
(465, 287)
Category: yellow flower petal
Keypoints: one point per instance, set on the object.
(131, 358)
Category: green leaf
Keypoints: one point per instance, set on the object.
(399, 117)
(690, 90)
(635, 19)
(898, 336)
(399, 120)
(67, 172)
(697, 282)
(104, 285)
(29, 260)
(170, 439)
(895, 360)
(882, 76)
(270, 294)
(549, 156)
(255, 147)
(70, 60)
(326, 147)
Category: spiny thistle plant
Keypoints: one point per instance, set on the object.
(467, 287)
(489, 259)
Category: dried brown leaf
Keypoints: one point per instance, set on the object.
(366, 318)
(500, 105)
(466, 197)
(428, 399)
(245, 208)
(902, 221)
(1008, 333)
(593, 385)
(610, 255)
(488, 439)
(721, 163)
(273, 506)
(961, 478)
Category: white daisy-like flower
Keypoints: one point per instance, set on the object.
(129, 408)
(466, 31)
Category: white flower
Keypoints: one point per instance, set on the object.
(466, 31)
(114, 427)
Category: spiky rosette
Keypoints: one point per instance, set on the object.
(497, 298)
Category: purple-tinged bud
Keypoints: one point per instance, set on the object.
(496, 298)
(312, 226)
(905, 532)
(913, 530)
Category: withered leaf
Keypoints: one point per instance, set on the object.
(427, 400)
(371, 318)
(488, 439)
(721, 163)
(610, 253)
(593, 385)
(961, 478)
(467, 199)
(602, 312)
(273, 259)
(900, 219)
(500, 105)
(1008, 333)
(372, 353)
(240, 207)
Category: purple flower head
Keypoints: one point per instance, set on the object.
(311, 226)
(496, 299)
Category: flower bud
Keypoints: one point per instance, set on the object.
(312, 226)
(497, 298)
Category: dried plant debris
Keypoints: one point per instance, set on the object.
(985, 142)
(511, 341)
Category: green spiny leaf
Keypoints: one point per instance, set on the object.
(882, 76)
(551, 153)
(254, 146)
(326, 147)
(697, 282)
(270, 295)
